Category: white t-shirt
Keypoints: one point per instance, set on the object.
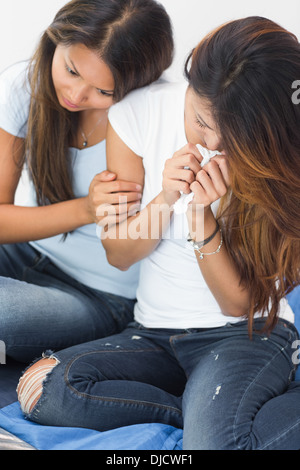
(172, 292)
(82, 255)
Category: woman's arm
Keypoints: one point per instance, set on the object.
(220, 273)
(21, 224)
(138, 235)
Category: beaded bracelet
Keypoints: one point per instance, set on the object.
(198, 245)
(201, 255)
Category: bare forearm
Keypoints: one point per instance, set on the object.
(222, 279)
(136, 237)
(219, 271)
(221, 274)
(22, 224)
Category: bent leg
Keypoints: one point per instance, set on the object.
(35, 318)
(278, 422)
(121, 380)
(237, 395)
(15, 258)
(30, 386)
(42, 308)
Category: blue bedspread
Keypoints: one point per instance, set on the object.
(138, 437)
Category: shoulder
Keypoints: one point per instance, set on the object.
(138, 116)
(14, 98)
(157, 94)
(14, 78)
(160, 88)
(147, 102)
(15, 70)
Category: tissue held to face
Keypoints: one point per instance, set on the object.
(190, 170)
(199, 127)
(181, 205)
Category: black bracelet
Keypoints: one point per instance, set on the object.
(198, 245)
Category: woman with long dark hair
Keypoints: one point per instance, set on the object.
(249, 92)
(56, 287)
(213, 345)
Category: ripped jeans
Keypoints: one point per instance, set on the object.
(225, 390)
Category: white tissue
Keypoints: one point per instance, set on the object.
(181, 205)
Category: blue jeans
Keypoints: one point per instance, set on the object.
(41, 307)
(225, 390)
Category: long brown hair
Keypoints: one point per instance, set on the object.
(245, 69)
(133, 37)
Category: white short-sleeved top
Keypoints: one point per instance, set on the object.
(82, 255)
(172, 292)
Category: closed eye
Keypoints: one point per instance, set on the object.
(199, 123)
(70, 71)
(104, 92)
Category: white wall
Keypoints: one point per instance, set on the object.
(22, 22)
(192, 19)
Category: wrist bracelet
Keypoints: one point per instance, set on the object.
(201, 255)
(198, 245)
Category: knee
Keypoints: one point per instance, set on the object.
(30, 386)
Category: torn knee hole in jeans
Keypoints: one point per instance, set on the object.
(31, 383)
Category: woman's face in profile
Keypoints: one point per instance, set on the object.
(199, 124)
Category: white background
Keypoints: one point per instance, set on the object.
(23, 21)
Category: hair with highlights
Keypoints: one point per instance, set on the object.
(245, 69)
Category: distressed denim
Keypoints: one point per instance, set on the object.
(227, 391)
(41, 307)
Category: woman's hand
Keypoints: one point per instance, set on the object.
(180, 172)
(110, 200)
(211, 181)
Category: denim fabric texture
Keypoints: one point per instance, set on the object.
(41, 307)
(225, 390)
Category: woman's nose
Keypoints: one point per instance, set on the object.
(79, 94)
(212, 141)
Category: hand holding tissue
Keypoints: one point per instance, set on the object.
(180, 206)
